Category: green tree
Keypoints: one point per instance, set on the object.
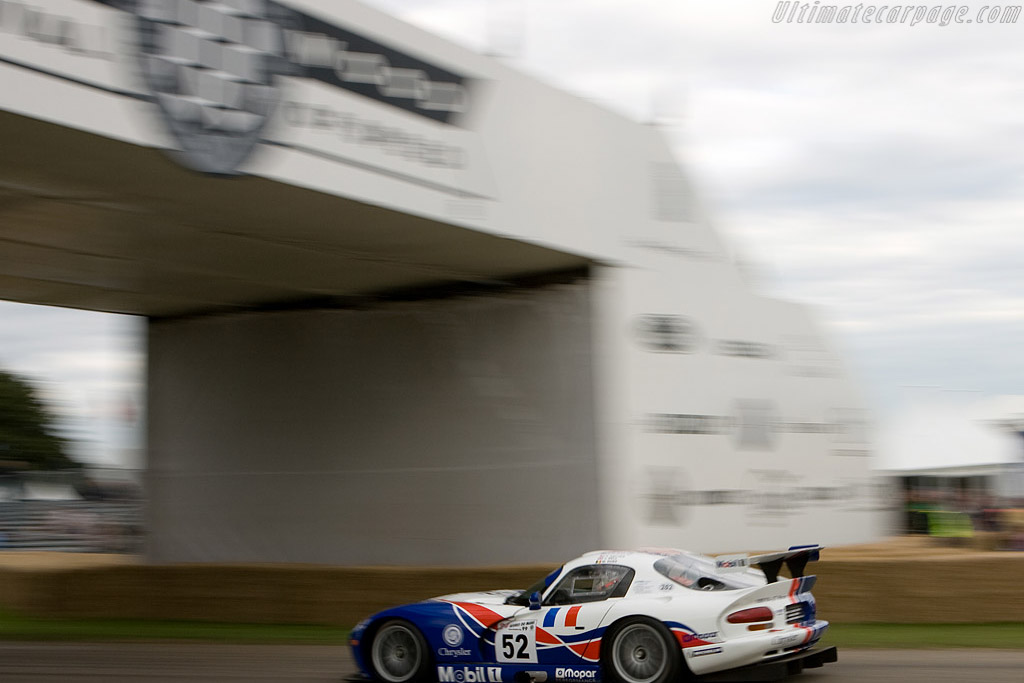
(27, 428)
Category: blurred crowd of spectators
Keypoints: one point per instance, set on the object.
(70, 511)
(71, 526)
(965, 516)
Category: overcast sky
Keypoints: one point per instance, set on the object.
(875, 171)
(871, 170)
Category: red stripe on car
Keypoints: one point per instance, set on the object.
(485, 616)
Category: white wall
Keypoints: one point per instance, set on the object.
(738, 429)
(449, 432)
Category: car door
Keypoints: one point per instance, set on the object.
(565, 630)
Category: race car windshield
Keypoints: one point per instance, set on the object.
(699, 575)
(522, 598)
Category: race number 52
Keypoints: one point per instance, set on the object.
(516, 642)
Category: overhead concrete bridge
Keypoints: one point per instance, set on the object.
(404, 304)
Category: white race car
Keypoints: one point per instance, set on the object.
(649, 616)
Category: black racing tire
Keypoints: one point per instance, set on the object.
(398, 653)
(641, 650)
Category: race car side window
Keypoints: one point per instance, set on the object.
(591, 583)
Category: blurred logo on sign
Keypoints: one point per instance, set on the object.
(666, 333)
(211, 68)
(768, 496)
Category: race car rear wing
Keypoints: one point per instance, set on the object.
(795, 559)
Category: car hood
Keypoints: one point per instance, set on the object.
(480, 598)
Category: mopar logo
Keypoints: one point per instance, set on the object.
(563, 674)
(469, 674)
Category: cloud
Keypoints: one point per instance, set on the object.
(45, 343)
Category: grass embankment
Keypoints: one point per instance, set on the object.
(917, 636)
(18, 627)
(912, 636)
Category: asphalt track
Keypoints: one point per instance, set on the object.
(195, 663)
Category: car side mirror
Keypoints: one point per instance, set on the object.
(534, 600)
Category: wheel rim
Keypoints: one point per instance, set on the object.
(639, 654)
(396, 653)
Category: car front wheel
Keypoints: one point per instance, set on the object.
(398, 653)
(641, 651)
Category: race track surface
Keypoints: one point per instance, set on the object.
(203, 663)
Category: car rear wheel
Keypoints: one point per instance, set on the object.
(398, 653)
(641, 651)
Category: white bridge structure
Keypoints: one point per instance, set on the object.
(406, 305)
